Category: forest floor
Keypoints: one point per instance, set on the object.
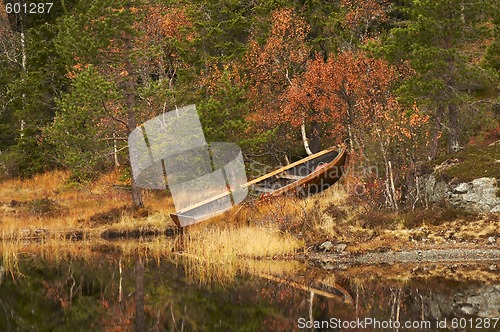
(324, 228)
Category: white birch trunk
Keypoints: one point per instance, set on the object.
(304, 138)
(25, 72)
(115, 151)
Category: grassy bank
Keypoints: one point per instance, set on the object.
(54, 211)
(50, 205)
(54, 217)
(472, 162)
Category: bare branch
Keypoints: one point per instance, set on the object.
(112, 117)
(114, 152)
(114, 138)
(120, 121)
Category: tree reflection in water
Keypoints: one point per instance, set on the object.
(115, 291)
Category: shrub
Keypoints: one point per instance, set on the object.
(377, 219)
(44, 206)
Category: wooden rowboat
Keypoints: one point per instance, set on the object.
(304, 177)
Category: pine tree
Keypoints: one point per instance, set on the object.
(431, 41)
(34, 75)
(98, 42)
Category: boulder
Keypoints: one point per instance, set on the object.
(326, 246)
(480, 301)
(435, 191)
(478, 195)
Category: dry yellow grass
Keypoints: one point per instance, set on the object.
(221, 246)
(59, 250)
(50, 205)
(219, 254)
(244, 240)
(41, 185)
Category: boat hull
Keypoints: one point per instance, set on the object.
(302, 178)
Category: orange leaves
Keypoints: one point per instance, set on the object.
(362, 11)
(351, 90)
(165, 22)
(77, 68)
(273, 65)
(288, 33)
(331, 90)
(213, 77)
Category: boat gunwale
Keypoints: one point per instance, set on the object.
(310, 176)
(296, 163)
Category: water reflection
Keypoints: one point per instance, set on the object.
(113, 290)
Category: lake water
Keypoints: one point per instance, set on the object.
(122, 288)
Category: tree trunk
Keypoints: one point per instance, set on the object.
(311, 302)
(130, 91)
(315, 140)
(436, 133)
(350, 121)
(120, 288)
(115, 152)
(24, 61)
(390, 188)
(140, 319)
(393, 187)
(304, 137)
(453, 144)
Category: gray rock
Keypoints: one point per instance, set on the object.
(468, 310)
(340, 247)
(479, 195)
(462, 188)
(326, 246)
(435, 191)
(481, 301)
(496, 209)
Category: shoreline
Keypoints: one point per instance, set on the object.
(435, 255)
(439, 253)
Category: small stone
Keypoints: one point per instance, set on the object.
(468, 310)
(492, 240)
(328, 266)
(493, 267)
(326, 246)
(340, 247)
(13, 203)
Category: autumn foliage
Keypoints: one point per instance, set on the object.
(281, 79)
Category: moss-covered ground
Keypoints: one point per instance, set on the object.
(467, 164)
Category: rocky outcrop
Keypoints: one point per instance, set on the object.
(479, 195)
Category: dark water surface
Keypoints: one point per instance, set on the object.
(112, 291)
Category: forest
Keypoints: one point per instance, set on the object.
(410, 231)
(403, 82)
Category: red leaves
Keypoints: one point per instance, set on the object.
(351, 84)
(164, 22)
(273, 64)
(350, 90)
